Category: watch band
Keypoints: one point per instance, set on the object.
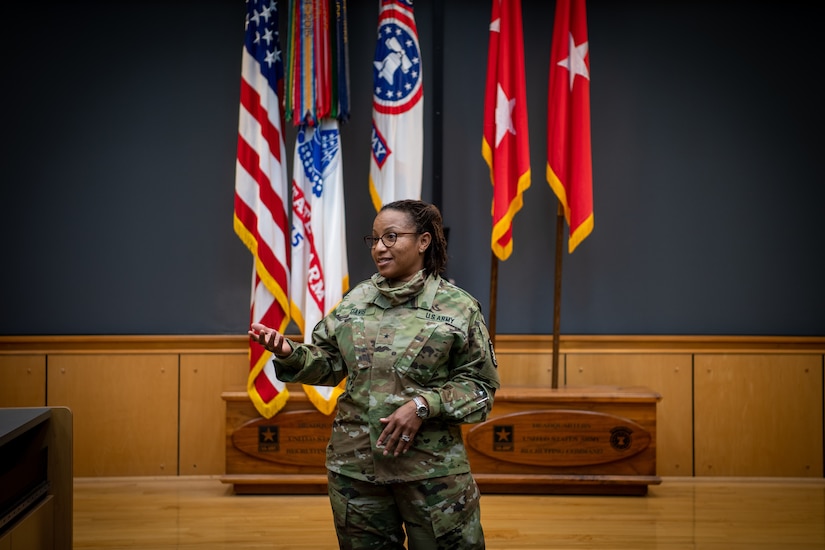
(421, 409)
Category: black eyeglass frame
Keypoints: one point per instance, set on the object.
(371, 241)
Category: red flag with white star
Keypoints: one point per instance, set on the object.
(505, 146)
(569, 159)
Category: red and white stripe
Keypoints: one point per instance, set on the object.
(261, 222)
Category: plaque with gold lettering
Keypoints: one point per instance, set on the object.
(558, 438)
(296, 437)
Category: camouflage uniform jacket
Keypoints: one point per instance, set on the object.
(425, 338)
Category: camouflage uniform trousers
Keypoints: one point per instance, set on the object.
(438, 514)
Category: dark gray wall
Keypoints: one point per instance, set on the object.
(119, 156)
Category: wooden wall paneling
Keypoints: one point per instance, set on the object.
(125, 409)
(22, 380)
(758, 415)
(667, 374)
(526, 369)
(111, 373)
(203, 378)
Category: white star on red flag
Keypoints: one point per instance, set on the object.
(574, 62)
(504, 115)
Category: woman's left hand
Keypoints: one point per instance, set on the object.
(400, 429)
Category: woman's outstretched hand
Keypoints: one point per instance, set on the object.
(270, 339)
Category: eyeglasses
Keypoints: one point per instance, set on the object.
(388, 239)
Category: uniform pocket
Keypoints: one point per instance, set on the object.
(338, 502)
(426, 357)
(456, 512)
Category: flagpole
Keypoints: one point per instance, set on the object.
(569, 158)
(505, 145)
(493, 296)
(554, 380)
(438, 106)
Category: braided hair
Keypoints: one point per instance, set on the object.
(427, 219)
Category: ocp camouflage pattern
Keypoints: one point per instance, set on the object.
(425, 338)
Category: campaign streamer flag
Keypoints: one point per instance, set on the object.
(506, 144)
(340, 54)
(569, 159)
(261, 187)
(319, 251)
(309, 69)
(397, 107)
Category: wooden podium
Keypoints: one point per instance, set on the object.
(580, 440)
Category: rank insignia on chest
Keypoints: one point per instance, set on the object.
(386, 335)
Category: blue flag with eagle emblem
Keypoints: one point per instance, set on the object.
(397, 107)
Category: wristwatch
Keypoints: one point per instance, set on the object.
(421, 408)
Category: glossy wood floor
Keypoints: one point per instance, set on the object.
(203, 513)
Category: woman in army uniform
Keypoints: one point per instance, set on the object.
(418, 363)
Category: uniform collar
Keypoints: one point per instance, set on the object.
(420, 291)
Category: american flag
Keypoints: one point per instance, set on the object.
(261, 194)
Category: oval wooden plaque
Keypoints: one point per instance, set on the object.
(296, 438)
(558, 438)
